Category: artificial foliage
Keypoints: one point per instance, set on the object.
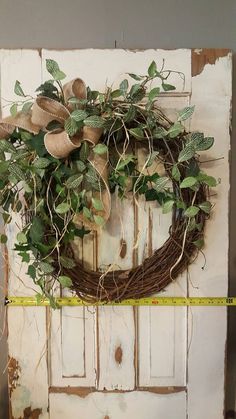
(61, 199)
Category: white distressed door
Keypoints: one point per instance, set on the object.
(120, 362)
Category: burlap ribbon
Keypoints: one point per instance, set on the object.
(57, 142)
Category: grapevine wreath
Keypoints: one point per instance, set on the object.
(62, 155)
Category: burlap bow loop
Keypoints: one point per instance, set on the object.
(74, 88)
(57, 141)
(20, 120)
(46, 110)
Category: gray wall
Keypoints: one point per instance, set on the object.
(130, 24)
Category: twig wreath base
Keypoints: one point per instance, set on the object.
(64, 153)
(156, 271)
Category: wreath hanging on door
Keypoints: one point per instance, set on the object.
(64, 153)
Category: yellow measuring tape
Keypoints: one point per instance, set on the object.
(149, 301)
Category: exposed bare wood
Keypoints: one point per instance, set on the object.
(85, 391)
(30, 413)
(203, 56)
(123, 248)
(13, 374)
(118, 355)
(78, 391)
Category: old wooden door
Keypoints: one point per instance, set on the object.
(114, 363)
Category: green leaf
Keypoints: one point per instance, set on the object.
(100, 149)
(126, 159)
(84, 151)
(137, 133)
(81, 232)
(6, 146)
(18, 89)
(151, 158)
(186, 113)
(153, 93)
(21, 237)
(135, 76)
(175, 130)
(192, 224)
(46, 267)
(48, 89)
(205, 144)
(191, 211)
(13, 109)
(42, 163)
(199, 142)
(152, 69)
(205, 207)
(87, 213)
(59, 75)
(93, 179)
(32, 272)
(3, 238)
(6, 218)
(99, 220)
(136, 92)
(16, 171)
(130, 115)
(208, 180)
(80, 166)
(52, 67)
(161, 183)
(199, 226)
(67, 262)
(196, 138)
(71, 126)
(167, 87)
(25, 257)
(176, 173)
(94, 121)
(79, 115)
(75, 100)
(97, 204)
(65, 281)
(4, 165)
(36, 230)
(74, 181)
(116, 93)
(159, 132)
(168, 205)
(124, 87)
(62, 208)
(188, 182)
(26, 107)
(186, 154)
(199, 243)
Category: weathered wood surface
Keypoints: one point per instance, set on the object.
(99, 359)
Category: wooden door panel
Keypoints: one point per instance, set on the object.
(73, 331)
(211, 94)
(105, 359)
(27, 338)
(123, 240)
(141, 405)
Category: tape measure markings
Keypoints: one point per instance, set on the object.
(149, 301)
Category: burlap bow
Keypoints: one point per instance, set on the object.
(57, 142)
